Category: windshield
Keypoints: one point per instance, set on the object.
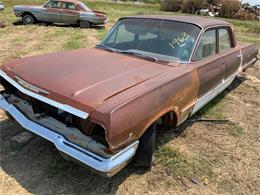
(83, 6)
(161, 39)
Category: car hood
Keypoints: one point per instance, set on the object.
(83, 78)
(18, 7)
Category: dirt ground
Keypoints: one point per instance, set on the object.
(228, 153)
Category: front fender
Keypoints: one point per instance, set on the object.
(20, 10)
(128, 121)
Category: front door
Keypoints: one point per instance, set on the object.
(52, 11)
(70, 13)
(210, 68)
(232, 58)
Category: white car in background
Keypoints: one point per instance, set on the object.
(1, 6)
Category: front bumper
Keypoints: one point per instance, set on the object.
(104, 166)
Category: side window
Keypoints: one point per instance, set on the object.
(53, 4)
(207, 46)
(70, 6)
(224, 40)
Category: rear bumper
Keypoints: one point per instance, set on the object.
(104, 166)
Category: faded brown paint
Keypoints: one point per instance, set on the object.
(126, 94)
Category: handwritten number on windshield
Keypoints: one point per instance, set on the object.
(178, 42)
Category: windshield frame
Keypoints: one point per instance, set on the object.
(84, 6)
(114, 28)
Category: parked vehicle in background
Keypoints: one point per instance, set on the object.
(100, 106)
(60, 11)
(2, 7)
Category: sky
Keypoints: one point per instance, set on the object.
(252, 2)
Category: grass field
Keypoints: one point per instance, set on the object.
(195, 158)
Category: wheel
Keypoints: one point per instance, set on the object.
(84, 24)
(144, 154)
(28, 19)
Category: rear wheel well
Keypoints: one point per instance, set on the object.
(79, 20)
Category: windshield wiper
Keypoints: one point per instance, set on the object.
(105, 48)
(151, 58)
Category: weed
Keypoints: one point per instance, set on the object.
(213, 110)
(179, 165)
(76, 40)
(237, 130)
(60, 168)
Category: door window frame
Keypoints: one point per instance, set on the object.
(231, 38)
(76, 8)
(231, 35)
(198, 44)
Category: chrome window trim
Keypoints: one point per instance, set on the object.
(61, 106)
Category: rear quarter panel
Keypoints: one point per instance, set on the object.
(248, 52)
(91, 17)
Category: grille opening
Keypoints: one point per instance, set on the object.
(95, 131)
(98, 134)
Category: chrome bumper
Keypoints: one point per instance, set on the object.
(104, 166)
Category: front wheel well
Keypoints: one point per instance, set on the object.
(145, 151)
(28, 13)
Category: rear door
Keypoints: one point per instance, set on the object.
(51, 12)
(231, 54)
(70, 13)
(210, 68)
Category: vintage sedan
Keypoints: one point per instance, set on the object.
(100, 106)
(60, 11)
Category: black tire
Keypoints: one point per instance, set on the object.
(84, 24)
(144, 154)
(28, 19)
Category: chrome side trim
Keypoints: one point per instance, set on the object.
(108, 166)
(212, 94)
(61, 106)
(31, 87)
(245, 66)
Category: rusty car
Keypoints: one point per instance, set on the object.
(60, 11)
(100, 106)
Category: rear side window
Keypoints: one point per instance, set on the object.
(224, 40)
(70, 6)
(207, 46)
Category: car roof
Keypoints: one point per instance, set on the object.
(69, 1)
(202, 22)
